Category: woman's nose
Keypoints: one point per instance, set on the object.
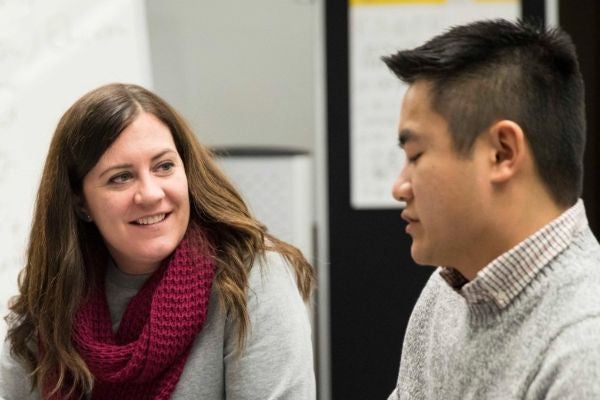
(149, 191)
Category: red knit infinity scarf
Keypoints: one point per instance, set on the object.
(146, 356)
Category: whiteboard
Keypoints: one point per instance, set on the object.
(378, 28)
(51, 53)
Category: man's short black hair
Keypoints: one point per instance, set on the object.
(491, 70)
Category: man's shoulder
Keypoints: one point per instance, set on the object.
(573, 290)
(574, 297)
(577, 270)
(583, 252)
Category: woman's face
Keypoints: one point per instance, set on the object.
(137, 195)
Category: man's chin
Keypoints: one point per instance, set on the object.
(419, 256)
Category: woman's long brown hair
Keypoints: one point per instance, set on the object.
(66, 255)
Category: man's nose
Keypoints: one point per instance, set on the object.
(402, 189)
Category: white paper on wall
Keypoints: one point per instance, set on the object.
(378, 28)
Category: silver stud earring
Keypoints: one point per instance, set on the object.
(84, 216)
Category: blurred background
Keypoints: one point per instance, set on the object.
(301, 114)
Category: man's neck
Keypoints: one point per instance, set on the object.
(514, 222)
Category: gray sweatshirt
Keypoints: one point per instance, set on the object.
(517, 331)
(277, 362)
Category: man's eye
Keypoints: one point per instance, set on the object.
(414, 158)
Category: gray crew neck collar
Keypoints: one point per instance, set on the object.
(123, 279)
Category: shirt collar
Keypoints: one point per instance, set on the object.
(506, 276)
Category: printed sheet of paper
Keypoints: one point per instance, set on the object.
(378, 28)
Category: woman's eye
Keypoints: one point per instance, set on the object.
(120, 178)
(166, 166)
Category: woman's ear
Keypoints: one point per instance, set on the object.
(81, 209)
(509, 150)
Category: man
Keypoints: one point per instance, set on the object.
(493, 128)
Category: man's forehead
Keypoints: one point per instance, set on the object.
(416, 105)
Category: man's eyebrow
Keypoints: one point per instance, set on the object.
(406, 135)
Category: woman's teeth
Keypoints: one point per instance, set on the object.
(151, 220)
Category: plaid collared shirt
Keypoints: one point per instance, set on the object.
(499, 282)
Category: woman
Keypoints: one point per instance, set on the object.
(146, 276)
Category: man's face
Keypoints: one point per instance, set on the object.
(446, 194)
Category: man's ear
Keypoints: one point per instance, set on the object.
(509, 150)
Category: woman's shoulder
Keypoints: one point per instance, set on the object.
(14, 379)
(272, 272)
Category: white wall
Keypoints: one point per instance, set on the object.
(242, 72)
(51, 53)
